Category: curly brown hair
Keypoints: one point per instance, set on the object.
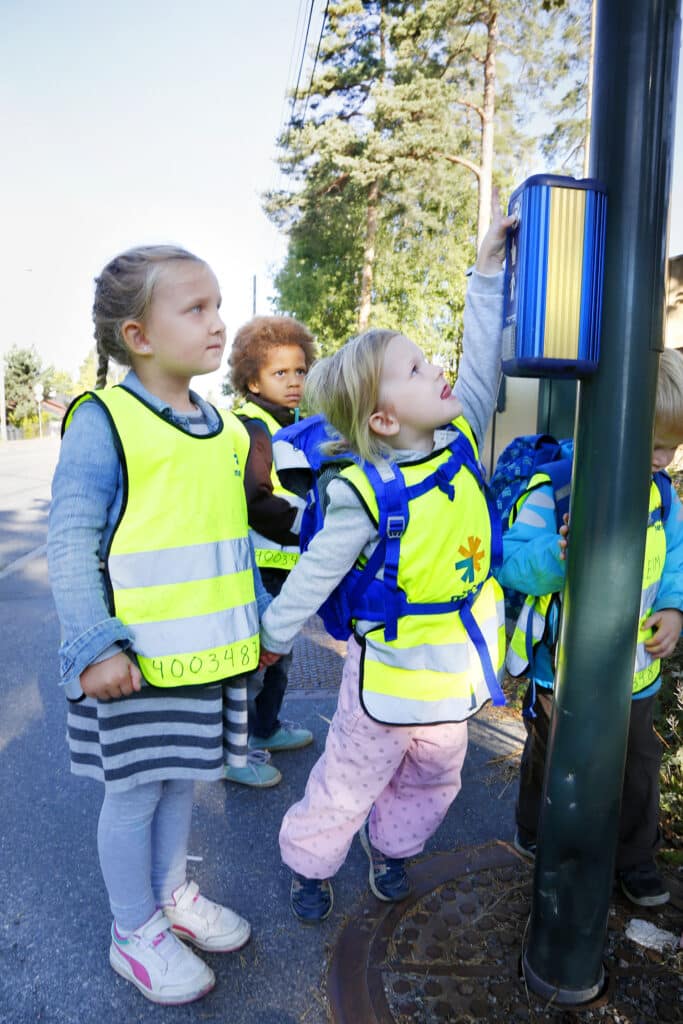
(256, 338)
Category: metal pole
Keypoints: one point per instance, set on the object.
(253, 298)
(636, 67)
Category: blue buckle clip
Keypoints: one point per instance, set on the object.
(396, 526)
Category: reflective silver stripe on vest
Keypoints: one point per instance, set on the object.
(198, 633)
(448, 658)
(537, 623)
(400, 711)
(647, 599)
(514, 662)
(179, 565)
(536, 499)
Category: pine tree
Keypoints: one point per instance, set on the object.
(391, 174)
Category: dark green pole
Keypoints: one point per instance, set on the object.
(636, 66)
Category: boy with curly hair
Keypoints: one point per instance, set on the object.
(270, 358)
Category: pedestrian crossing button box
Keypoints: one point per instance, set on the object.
(554, 273)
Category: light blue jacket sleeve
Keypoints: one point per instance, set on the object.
(85, 501)
(531, 548)
(670, 593)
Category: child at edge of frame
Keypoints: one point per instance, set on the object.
(269, 361)
(534, 562)
(392, 762)
(158, 598)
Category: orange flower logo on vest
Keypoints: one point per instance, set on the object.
(473, 556)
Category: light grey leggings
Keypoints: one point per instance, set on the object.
(142, 839)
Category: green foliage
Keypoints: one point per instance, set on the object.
(23, 370)
(385, 163)
(61, 383)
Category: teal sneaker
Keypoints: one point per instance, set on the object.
(257, 772)
(287, 737)
(311, 899)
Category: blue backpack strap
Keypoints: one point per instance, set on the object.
(307, 435)
(560, 474)
(664, 485)
(477, 638)
(392, 503)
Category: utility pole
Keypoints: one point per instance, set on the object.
(39, 393)
(3, 406)
(636, 67)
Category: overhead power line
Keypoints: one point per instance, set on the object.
(298, 77)
(315, 62)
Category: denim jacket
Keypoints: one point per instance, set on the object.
(87, 490)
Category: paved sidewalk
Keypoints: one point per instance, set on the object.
(54, 925)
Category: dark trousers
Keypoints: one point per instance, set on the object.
(639, 834)
(264, 708)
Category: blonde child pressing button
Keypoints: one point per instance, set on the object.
(424, 661)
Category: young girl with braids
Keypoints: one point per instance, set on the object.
(153, 577)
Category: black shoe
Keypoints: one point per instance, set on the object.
(643, 885)
(526, 847)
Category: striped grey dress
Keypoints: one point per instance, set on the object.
(154, 735)
(189, 732)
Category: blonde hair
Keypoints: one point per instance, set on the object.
(345, 388)
(669, 402)
(123, 291)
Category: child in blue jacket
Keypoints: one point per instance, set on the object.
(534, 563)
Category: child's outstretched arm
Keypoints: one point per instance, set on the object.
(479, 371)
(332, 554)
(491, 255)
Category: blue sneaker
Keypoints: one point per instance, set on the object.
(311, 899)
(286, 737)
(388, 878)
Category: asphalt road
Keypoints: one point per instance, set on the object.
(54, 922)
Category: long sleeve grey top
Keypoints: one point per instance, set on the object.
(348, 530)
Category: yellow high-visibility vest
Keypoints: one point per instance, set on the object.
(432, 671)
(647, 668)
(179, 569)
(270, 554)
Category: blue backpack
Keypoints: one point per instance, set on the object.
(520, 461)
(526, 456)
(517, 464)
(305, 469)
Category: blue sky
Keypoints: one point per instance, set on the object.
(145, 121)
(136, 122)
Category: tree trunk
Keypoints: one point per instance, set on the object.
(371, 223)
(488, 108)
